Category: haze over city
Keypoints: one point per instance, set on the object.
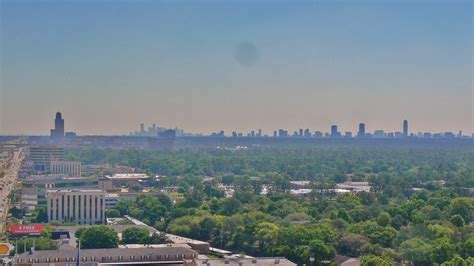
(109, 66)
(237, 132)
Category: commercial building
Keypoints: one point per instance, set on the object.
(43, 155)
(355, 187)
(67, 168)
(83, 206)
(33, 189)
(405, 128)
(238, 261)
(106, 169)
(110, 182)
(168, 255)
(58, 132)
(361, 132)
(334, 132)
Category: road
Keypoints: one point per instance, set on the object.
(7, 184)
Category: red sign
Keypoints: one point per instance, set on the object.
(25, 229)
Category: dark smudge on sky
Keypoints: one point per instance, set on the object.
(246, 53)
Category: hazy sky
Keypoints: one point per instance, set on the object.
(236, 65)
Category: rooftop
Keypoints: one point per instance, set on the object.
(245, 261)
(128, 176)
(82, 190)
(113, 252)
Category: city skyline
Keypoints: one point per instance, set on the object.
(236, 66)
(58, 133)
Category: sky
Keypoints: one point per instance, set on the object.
(236, 65)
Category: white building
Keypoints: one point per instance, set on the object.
(83, 206)
(66, 168)
(33, 188)
(355, 187)
(134, 176)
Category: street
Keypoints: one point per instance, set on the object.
(7, 184)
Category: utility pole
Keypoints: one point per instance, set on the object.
(33, 248)
(78, 260)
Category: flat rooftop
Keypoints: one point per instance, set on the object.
(128, 176)
(74, 190)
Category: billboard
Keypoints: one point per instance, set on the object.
(25, 229)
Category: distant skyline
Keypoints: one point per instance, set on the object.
(203, 66)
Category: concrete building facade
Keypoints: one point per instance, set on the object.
(43, 155)
(66, 168)
(83, 206)
(33, 189)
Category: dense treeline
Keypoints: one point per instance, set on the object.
(394, 223)
(415, 162)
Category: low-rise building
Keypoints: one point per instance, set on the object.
(83, 206)
(43, 155)
(300, 184)
(355, 187)
(33, 189)
(238, 261)
(169, 255)
(106, 169)
(66, 167)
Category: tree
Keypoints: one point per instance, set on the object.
(206, 228)
(98, 236)
(349, 244)
(455, 261)
(344, 215)
(464, 207)
(376, 233)
(79, 232)
(384, 219)
(467, 248)
(41, 243)
(417, 251)
(113, 213)
(321, 251)
(371, 260)
(443, 250)
(135, 235)
(439, 231)
(41, 216)
(230, 206)
(266, 234)
(159, 238)
(457, 220)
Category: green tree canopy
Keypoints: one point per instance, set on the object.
(135, 235)
(98, 236)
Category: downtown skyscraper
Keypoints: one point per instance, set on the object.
(58, 132)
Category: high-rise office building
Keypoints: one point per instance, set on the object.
(334, 132)
(58, 132)
(318, 134)
(282, 133)
(405, 128)
(361, 132)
